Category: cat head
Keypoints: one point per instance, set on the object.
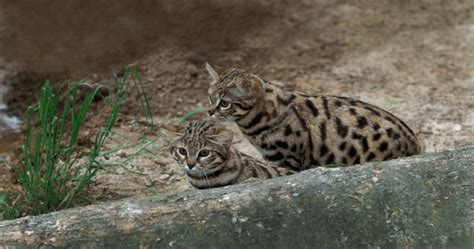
(202, 149)
(233, 93)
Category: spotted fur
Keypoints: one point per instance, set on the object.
(297, 130)
(204, 151)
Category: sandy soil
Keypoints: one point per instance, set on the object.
(413, 58)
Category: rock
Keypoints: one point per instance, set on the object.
(164, 177)
(418, 202)
(121, 154)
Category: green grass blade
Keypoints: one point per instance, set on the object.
(190, 114)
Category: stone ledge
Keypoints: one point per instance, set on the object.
(420, 202)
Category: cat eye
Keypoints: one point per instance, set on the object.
(224, 104)
(182, 151)
(204, 153)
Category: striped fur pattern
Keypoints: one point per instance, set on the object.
(205, 152)
(297, 130)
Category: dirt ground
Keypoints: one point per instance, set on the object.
(413, 58)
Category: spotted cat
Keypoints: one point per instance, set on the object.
(205, 152)
(298, 130)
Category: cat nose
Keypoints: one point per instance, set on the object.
(211, 111)
(191, 163)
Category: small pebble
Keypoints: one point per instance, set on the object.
(457, 127)
(122, 154)
(164, 177)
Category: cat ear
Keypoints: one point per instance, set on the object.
(242, 87)
(251, 85)
(258, 81)
(224, 137)
(170, 136)
(214, 75)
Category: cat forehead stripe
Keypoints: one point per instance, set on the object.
(198, 128)
(231, 74)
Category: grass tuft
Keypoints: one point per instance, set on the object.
(48, 170)
(137, 83)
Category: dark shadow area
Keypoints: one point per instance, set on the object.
(74, 37)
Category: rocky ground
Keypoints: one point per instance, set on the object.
(413, 58)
